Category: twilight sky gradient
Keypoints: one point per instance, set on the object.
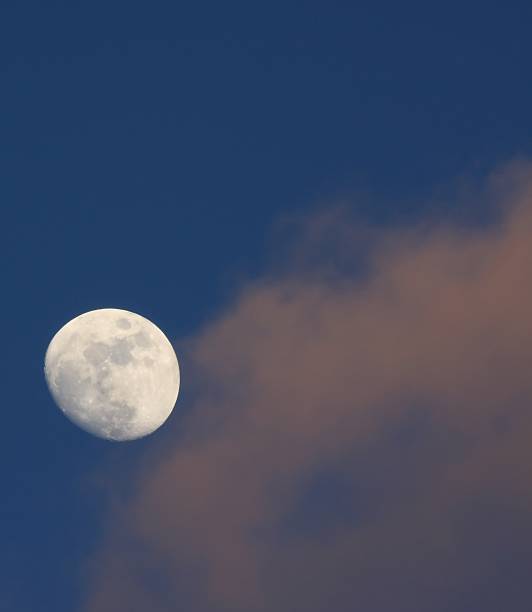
(328, 209)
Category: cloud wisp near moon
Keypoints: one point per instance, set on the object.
(356, 442)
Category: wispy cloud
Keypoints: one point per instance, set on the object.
(356, 441)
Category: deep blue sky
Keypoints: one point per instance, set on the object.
(146, 150)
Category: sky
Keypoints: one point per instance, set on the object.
(327, 208)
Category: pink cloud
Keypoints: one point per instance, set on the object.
(409, 386)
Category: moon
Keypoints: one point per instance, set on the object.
(113, 373)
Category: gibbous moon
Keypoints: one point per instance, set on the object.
(113, 373)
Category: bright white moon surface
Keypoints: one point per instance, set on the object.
(113, 373)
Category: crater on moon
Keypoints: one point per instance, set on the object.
(96, 352)
(142, 340)
(121, 351)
